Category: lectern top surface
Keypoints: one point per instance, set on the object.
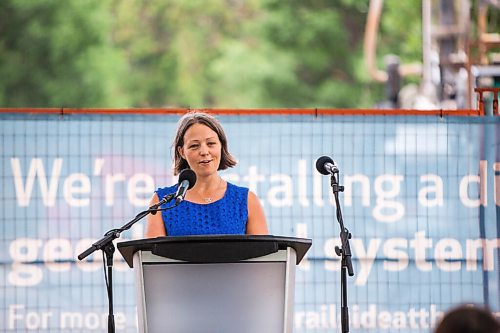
(215, 248)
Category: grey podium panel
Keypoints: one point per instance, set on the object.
(228, 297)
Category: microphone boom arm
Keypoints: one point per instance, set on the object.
(115, 233)
(106, 245)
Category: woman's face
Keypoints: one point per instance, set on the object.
(202, 149)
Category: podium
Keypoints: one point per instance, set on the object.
(220, 283)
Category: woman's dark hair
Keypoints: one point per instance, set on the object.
(197, 117)
(468, 319)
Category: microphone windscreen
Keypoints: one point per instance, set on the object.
(320, 164)
(189, 175)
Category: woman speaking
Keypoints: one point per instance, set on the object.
(212, 206)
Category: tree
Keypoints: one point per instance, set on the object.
(170, 46)
(177, 53)
(298, 54)
(260, 53)
(57, 54)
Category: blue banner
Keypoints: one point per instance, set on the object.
(421, 199)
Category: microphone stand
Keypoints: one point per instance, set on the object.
(344, 252)
(108, 248)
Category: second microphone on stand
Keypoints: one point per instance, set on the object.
(326, 166)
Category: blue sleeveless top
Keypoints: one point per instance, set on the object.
(225, 216)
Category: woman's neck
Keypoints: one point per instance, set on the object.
(207, 189)
(208, 182)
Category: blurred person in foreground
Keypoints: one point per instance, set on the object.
(468, 319)
(212, 206)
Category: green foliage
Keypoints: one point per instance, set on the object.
(401, 30)
(171, 46)
(300, 55)
(196, 53)
(56, 53)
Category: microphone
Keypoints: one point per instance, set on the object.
(187, 179)
(326, 166)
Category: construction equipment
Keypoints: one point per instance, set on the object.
(458, 56)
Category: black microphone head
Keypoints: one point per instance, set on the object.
(189, 175)
(320, 164)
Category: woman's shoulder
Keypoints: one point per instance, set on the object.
(237, 188)
(162, 191)
(236, 191)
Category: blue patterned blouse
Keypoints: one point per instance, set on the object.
(225, 216)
